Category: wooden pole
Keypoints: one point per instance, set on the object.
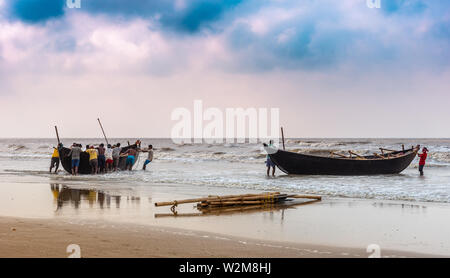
(98, 119)
(57, 134)
(305, 197)
(282, 138)
(357, 155)
(383, 149)
(379, 156)
(214, 198)
(338, 154)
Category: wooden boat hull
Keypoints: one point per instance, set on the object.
(85, 168)
(302, 164)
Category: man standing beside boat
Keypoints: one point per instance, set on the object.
(269, 162)
(116, 155)
(101, 158)
(131, 156)
(75, 152)
(93, 159)
(423, 158)
(55, 159)
(109, 158)
(149, 158)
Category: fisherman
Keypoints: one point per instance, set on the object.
(131, 156)
(93, 159)
(423, 158)
(269, 162)
(75, 151)
(109, 158)
(149, 158)
(101, 158)
(116, 155)
(55, 159)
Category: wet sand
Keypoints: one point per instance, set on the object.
(116, 220)
(21, 237)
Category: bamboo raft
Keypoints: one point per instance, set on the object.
(217, 211)
(232, 201)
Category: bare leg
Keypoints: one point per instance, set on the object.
(273, 171)
(268, 171)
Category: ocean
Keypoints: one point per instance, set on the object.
(225, 168)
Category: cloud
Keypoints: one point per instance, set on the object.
(184, 16)
(288, 54)
(34, 11)
(403, 6)
(160, 37)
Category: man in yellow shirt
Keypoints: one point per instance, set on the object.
(55, 159)
(93, 159)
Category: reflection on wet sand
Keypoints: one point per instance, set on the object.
(64, 195)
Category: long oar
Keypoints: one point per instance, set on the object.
(98, 119)
(57, 135)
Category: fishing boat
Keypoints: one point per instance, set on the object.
(84, 167)
(388, 162)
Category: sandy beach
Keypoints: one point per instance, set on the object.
(21, 237)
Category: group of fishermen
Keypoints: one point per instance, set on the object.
(101, 159)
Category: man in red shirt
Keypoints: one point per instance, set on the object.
(423, 157)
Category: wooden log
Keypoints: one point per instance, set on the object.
(383, 149)
(209, 198)
(357, 155)
(379, 156)
(338, 154)
(230, 209)
(305, 197)
(251, 198)
(234, 203)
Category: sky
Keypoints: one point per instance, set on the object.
(333, 68)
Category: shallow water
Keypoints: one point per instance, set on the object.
(240, 167)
